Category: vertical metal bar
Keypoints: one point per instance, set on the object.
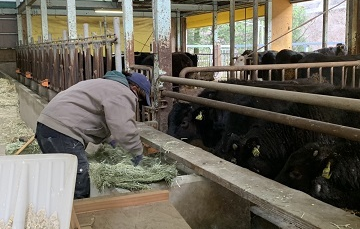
(162, 57)
(128, 22)
(232, 36)
(80, 52)
(118, 64)
(55, 78)
(71, 18)
(44, 21)
(51, 70)
(215, 38)
(101, 60)
(325, 23)
(350, 26)
(108, 51)
(232, 31)
(268, 23)
(73, 65)
(87, 54)
(178, 32)
(255, 32)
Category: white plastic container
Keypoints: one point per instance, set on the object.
(46, 181)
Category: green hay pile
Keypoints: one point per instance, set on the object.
(33, 148)
(112, 168)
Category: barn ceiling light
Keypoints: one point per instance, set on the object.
(102, 11)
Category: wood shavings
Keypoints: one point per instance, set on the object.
(11, 126)
(38, 220)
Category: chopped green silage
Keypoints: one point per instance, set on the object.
(112, 168)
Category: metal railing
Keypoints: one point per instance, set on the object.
(299, 97)
(64, 63)
(342, 74)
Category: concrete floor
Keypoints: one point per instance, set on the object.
(2, 150)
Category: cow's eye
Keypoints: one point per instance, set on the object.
(184, 124)
(295, 174)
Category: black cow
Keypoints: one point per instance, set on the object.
(211, 125)
(267, 146)
(339, 50)
(328, 172)
(269, 57)
(287, 56)
(326, 72)
(179, 62)
(193, 124)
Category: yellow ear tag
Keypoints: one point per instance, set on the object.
(199, 116)
(326, 171)
(256, 151)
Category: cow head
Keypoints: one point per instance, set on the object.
(303, 166)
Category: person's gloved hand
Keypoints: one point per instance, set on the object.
(113, 143)
(136, 160)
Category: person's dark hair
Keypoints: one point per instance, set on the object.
(126, 73)
(141, 91)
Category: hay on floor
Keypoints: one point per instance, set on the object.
(11, 126)
(33, 148)
(112, 168)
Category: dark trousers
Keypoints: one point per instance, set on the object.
(51, 141)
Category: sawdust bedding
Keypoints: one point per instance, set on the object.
(11, 125)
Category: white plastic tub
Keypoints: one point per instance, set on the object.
(45, 181)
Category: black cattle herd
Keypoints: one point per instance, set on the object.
(323, 166)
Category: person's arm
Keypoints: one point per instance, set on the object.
(120, 118)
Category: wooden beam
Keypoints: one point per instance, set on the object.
(285, 203)
(119, 201)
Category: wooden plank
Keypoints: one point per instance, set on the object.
(291, 205)
(74, 222)
(159, 215)
(119, 201)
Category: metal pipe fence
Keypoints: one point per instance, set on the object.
(299, 97)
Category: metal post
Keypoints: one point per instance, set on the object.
(216, 55)
(71, 17)
(178, 32)
(255, 34)
(118, 64)
(232, 36)
(325, 23)
(28, 24)
(268, 23)
(86, 30)
(44, 21)
(162, 57)
(19, 25)
(128, 22)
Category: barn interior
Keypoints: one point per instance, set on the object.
(210, 192)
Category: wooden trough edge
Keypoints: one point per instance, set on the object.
(119, 201)
(288, 204)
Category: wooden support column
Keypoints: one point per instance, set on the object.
(281, 24)
(353, 17)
